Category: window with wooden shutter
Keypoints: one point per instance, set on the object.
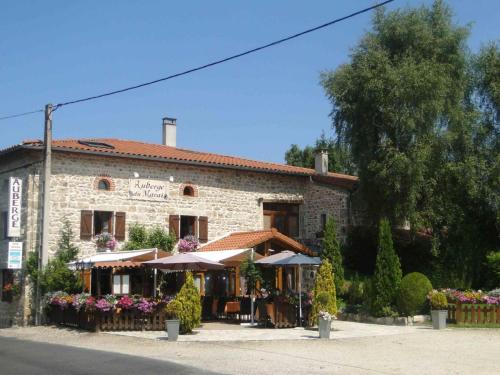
(203, 228)
(174, 225)
(120, 226)
(86, 225)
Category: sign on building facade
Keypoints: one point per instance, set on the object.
(15, 257)
(148, 190)
(14, 214)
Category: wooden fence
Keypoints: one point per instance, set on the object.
(125, 320)
(474, 314)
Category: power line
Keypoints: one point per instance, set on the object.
(217, 62)
(21, 114)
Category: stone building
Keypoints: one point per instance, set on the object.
(105, 185)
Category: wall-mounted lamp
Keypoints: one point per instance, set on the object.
(136, 174)
(260, 200)
(171, 179)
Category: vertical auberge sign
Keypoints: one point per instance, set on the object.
(14, 214)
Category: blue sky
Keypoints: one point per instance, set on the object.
(253, 107)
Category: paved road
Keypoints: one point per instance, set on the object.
(19, 357)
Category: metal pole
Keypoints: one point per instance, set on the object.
(44, 248)
(251, 298)
(155, 275)
(300, 297)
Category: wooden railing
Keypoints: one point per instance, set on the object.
(474, 314)
(125, 320)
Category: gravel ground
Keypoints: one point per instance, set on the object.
(423, 351)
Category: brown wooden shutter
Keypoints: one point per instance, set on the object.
(203, 228)
(86, 225)
(174, 225)
(120, 226)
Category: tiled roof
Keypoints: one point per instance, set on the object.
(246, 240)
(135, 149)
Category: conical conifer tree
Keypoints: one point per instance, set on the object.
(189, 297)
(331, 251)
(324, 284)
(387, 276)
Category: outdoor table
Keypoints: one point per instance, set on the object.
(232, 308)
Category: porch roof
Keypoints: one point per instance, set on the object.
(248, 240)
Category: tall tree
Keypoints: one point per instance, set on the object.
(404, 84)
(387, 276)
(331, 251)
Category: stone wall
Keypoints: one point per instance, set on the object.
(27, 168)
(230, 199)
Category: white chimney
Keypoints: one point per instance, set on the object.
(169, 132)
(321, 162)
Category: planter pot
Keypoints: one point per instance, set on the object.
(439, 318)
(172, 329)
(324, 328)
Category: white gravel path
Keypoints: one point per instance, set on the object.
(399, 351)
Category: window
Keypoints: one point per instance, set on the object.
(282, 216)
(188, 226)
(188, 191)
(121, 284)
(182, 226)
(103, 185)
(93, 223)
(103, 222)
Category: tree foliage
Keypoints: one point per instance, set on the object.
(420, 115)
(189, 298)
(387, 276)
(251, 274)
(331, 251)
(56, 276)
(339, 156)
(323, 284)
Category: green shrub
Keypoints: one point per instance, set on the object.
(189, 298)
(324, 284)
(323, 299)
(142, 238)
(355, 292)
(438, 301)
(174, 309)
(387, 277)
(412, 294)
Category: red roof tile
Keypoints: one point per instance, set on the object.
(246, 240)
(124, 148)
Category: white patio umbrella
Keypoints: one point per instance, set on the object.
(295, 260)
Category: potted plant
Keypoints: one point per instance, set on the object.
(105, 241)
(174, 311)
(325, 324)
(439, 309)
(324, 317)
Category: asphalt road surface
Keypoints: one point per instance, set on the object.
(19, 357)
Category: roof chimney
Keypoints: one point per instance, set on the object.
(321, 162)
(169, 132)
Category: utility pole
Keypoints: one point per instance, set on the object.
(47, 164)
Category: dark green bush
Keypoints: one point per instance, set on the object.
(412, 294)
